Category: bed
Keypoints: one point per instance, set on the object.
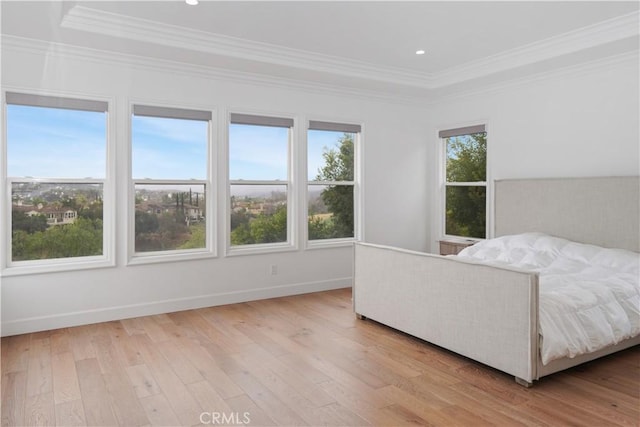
(491, 313)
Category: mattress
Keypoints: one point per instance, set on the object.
(589, 296)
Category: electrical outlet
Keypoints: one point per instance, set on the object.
(274, 269)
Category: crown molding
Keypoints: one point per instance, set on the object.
(103, 57)
(612, 30)
(630, 58)
(115, 25)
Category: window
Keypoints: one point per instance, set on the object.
(465, 186)
(170, 171)
(56, 176)
(331, 180)
(259, 179)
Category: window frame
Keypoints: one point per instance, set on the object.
(443, 134)
(70, 101)
(336, 126)
(284, 121)
(173, 111)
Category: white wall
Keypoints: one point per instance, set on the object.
(572, 123)
(394, 180)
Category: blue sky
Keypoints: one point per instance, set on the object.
(169, 148)
(57, 143)
(41, 144)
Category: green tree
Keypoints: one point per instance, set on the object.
(239, 218)
(466, 205)
(320, 228)
(338, 166)
(197, 239)
(241, 235)
(262, 229)
(91, 210)
(26, 223)
(146, 222)
(82, 238)
(270, 228)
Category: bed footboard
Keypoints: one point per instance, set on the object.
(488, 314)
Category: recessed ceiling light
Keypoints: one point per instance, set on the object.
(420, 52)
(192, 2)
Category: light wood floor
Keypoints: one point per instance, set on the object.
(302, 360)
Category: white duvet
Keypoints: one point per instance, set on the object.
(589, 296)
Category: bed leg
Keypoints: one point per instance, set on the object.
(523, 383)
(360, 316)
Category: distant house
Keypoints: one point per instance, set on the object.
(192, 213)
(54, 215)
(152, 208)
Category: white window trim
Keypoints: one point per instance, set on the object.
(264, 248)
(358, 193)
(107, 259)
(210, 249)
(443, 184)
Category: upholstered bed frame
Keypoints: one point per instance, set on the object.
(490, 314)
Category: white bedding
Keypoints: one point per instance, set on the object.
(589, 296)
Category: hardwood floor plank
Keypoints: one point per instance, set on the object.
(407, 416)
(133, 326)
(15, 357)
(181, 365)
(80, 342)
(159, 411)
(154, 330)
(65, 379)
(39, 410)
(208, 397)
(495, 402)
(97, 408)
(39, 371)
(288, 395)
(60, 341)
(258, 337)
(206, 329)
(14, 394)
(127, 407)
(299, 364)
(119, 389)
(209, 369)
(335, 414)
(126, 350)
(244, 407)
(298, 360)
(268, 402)
(183, 404)
(144, 384)
(70, 413)
(295, 380)
(612, 405)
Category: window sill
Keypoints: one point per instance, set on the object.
(330, 243)
(260, 249)
(30, 268)
(173, 256)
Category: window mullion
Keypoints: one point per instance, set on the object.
(467, 184)
(331, 182)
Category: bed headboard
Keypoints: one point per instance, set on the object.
(600, 211)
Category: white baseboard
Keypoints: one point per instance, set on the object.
(77, 318)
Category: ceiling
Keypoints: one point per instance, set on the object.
(362, 45)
